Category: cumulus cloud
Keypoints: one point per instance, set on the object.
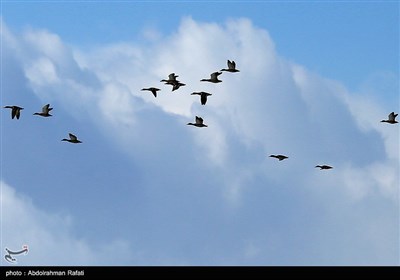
(271, 106)
(272, 103)
(50, 237)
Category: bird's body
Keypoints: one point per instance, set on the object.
(324, 167)
(213, 78)
(279, 157)
(231, 67)
(45, 111)
(203, 96)
(15, 111)
(153, 90)
(198, 123)
(72, 139)
(391, 118)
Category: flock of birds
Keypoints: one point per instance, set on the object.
(176, 84)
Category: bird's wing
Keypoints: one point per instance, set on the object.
(231, 64)
(392, 116)
(172, 76)
(199, 120)
(46, 109)
(72, 137)
(203, 98)
(215, 75)
(14, 112)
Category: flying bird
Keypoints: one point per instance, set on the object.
(171, 78)
(45, 111)
(198, 123)
(173, 81)
(213, 78)
(231, 67)
(72, 139)
(153, 90)
(203, 96)
(176, 85)
(391, 118)
(279, 157)
(15, 111)
(321, 167)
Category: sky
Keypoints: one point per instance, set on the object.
(144, 188)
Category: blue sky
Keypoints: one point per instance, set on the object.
(315, 80)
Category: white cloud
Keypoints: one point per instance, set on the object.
(272, 102)
(50, 237)
(271, 106)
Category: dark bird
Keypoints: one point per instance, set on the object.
(171, 78)
(321, 167)
(45, 111)
(280, 157)
(391, 118)
(203, 96)
(198, 123)
(72, 139)
(15, 111)
(176, 85)
(231, 67)
(153, 90)
(173, 81)
(213, 78)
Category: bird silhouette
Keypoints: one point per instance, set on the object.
(203, 96)
(72, 139)
(45, 111)
(198, 123)
(171, 78)
(213, 78)
(391, 118)
(324, 167)
(153, 90)
(15, 111)
(279, 157)
(231, 67)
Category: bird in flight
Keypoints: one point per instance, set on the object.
(173, 81)
(171, 78)
(72, 139)
(153, 90)
(324, 167)
(231, 67)
(198, 123)
(279, 157)
(176, 85)
(15, 111)
(391, 118)
(45, 111)
(213, 78)
(203, 96)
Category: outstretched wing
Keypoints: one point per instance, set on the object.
(231, 64)
(46, 108)
(215, 75)
(72, 137)
(392, 116)
(172, 77)
(199, 120)
(14, 112)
